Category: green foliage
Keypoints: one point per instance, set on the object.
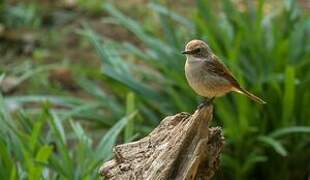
(22, 15)
(45, 145)
(92, 6)
(62, 136)
(267, 52)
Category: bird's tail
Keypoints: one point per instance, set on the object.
(250, 95)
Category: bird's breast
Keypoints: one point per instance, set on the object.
(203, 82)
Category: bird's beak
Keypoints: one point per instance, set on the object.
(185, 52)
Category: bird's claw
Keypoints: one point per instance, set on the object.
(206, 102)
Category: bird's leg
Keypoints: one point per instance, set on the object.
(206, 102)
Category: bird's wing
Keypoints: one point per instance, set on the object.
(219, 69)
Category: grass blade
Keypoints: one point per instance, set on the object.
(276, 145)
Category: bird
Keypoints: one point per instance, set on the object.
(208, 76)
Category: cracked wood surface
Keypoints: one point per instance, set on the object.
(181, 147)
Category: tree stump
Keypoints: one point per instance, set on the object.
(182, 147)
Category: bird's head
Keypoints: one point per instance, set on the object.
(197, 48)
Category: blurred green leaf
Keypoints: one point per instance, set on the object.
(42, 157)
(130, 108)
(57, 125)
(2, 77)
(276, 145)
(117, 69)
(58, 100)
(104, 148)
(290, 130)
(165, 11)
(289, 94)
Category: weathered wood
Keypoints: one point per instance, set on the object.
(182, 147)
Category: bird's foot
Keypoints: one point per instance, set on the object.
(206, 102)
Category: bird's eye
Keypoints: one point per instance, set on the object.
(198, 50)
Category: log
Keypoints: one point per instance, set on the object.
(181, 147)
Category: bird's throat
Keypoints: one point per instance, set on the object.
(191, 59)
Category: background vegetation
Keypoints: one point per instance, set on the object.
(79, 76)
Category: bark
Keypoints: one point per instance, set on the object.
(182, 147)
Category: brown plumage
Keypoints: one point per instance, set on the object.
(207, 75)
